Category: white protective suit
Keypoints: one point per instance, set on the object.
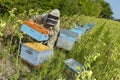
(50, 21)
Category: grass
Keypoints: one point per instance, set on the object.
(98, 50)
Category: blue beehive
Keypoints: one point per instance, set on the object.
(33, 33)
(66, 39)
(79, 30)
(89, 26)
(35, 53)
(74, 65)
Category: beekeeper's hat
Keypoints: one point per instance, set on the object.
(55, 12)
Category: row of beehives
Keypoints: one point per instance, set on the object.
(67, 38)
(36, 53)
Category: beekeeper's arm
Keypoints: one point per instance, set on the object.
(38, 18)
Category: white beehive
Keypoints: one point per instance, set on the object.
(66, 39)
(74, 65)
(35, 53)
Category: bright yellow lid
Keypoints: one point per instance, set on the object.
(37, 46)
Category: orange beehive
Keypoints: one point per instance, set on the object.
(36, 26)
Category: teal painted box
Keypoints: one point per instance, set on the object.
(33, 33)
(79, 30)
(89, 26)
(74, 65)
(66, 39)
(35, 53)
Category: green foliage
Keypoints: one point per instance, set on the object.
(98, 50)
(67, 7)
(2, 24)
(106, 10)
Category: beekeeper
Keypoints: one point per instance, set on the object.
(50, 21)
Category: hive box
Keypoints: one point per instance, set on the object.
(89, 26)
(74, 65)
(35, 53)
(79, 30)
(66, 39)
(33, 33)
(37, 27)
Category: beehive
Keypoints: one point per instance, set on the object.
(37, 27)
(79, 30)
(66, 39)
(34, 33)
(35, 53)
(89, 26)
(74, 65)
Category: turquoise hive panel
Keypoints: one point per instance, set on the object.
(33, 33)
(74, 65)
(66, 39)
(79, 31)
(35, 57)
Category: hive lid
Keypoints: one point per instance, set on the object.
(37, 46)
(37, 27)
(74, 65)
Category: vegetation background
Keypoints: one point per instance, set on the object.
(98, 50)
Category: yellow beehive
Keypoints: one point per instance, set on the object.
(37, 46)
(35, 53)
